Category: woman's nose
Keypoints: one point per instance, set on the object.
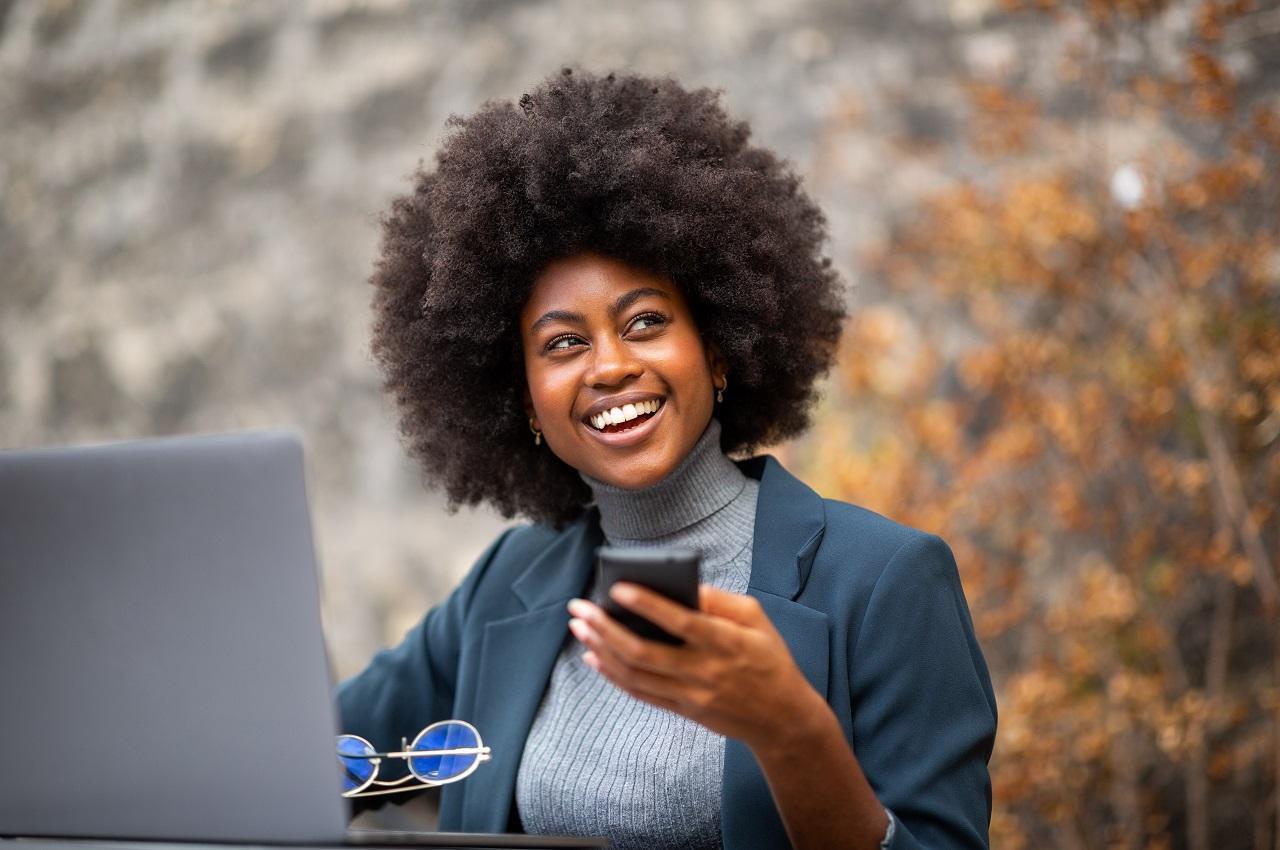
(612, 362)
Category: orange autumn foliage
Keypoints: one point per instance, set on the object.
(1075, 380)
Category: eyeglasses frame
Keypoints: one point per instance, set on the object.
(396, 786)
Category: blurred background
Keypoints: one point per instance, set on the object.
(1061, 219)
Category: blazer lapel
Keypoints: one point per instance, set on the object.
(516, 658)
(788, 529)
(790, 519)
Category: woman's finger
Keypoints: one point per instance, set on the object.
(675, 618)
(639, 683)
(738, 607)
(601, 629)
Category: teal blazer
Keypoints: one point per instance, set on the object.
(872, 611)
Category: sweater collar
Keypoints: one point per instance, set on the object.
(789, 524)
(702, 483)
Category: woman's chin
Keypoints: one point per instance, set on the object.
(634, 470)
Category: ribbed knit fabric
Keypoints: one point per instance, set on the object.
(599, 762)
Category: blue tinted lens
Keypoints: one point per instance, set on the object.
(356, 772)
(444, 736)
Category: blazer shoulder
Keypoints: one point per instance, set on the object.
(517, 545)
(874, 536)
(511, 553)
(858, 548)
(529, 536)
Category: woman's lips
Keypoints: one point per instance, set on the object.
(631, 436)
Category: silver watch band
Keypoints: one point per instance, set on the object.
(888, 833)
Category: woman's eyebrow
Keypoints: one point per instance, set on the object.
(624, 301)
(627, 299)
(556, 315)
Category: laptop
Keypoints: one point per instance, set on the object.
(163, 674)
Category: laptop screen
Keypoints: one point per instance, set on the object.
(160, 644)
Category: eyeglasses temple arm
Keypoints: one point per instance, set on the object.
(408, 754)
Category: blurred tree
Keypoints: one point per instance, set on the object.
(1076, 382)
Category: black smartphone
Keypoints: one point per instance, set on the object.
(671, 572)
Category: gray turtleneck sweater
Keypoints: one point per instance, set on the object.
(599, 762)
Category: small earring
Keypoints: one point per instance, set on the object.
(720, 391)
(537, 435)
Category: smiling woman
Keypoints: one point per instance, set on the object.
(591, 303)
(601, 338)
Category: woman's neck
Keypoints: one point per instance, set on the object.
(702, 483)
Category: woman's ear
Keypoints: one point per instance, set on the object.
(528, 404)
(716, 361)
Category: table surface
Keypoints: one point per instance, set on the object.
(437, 841)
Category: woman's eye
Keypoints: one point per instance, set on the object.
(554, 345)
(649, 317)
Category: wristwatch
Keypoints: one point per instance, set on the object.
(888, 831)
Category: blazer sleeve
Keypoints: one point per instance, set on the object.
(924, 713)
(405, 688)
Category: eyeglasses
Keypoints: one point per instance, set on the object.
(444, 752)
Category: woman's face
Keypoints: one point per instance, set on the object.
(599, 334)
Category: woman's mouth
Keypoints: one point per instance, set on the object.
(634, 425)
(625, 416)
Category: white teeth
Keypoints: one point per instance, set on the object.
(625, 413)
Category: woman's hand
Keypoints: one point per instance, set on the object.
(736, 676)
(734, 673)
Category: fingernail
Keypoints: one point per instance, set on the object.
(589, 659)
(580, 630)
(623, 593)
(578, 607)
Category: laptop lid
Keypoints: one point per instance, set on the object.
(161, 654)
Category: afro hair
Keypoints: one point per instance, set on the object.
(633, 167)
